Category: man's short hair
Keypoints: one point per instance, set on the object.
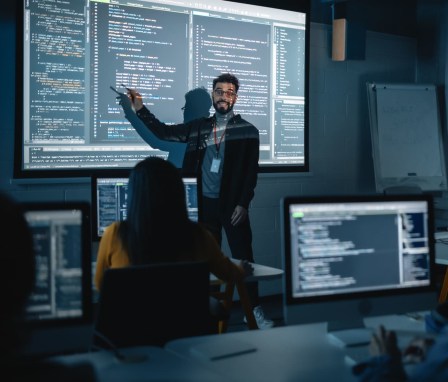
(227, 78)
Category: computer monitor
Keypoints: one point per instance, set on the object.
(110, 200)
(62, 297)
(347, 258)
(62, 252)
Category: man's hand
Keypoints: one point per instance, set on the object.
(125, 102)
(384, 342)
(238, 216)
(136, 99)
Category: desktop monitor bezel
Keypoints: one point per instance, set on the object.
(86, 318)
(334, 307)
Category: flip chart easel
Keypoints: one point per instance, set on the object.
(406, 136)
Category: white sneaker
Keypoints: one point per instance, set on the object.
(262, 321)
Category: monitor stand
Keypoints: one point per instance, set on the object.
(349, 333)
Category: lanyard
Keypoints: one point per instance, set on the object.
(218, 143)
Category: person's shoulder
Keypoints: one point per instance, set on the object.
(113, 226)
(242, 129)
(112, 229)
(202, 124)
(240, 122)
(238, 119)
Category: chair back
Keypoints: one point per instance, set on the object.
(152, 304)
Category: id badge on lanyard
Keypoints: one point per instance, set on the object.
(216, 163)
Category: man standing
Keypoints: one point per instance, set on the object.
(223, 152)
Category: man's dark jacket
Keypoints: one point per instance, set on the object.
(240, 167)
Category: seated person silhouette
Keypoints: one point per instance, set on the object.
(17, 277)
(197, 105)
(428, 355)
(157, 228)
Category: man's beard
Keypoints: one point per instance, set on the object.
(221, 109)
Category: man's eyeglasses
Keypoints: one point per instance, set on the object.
(228, 93)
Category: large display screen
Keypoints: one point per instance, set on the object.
(74, 51)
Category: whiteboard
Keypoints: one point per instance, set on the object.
(406, 136)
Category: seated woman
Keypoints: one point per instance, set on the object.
(157, 228)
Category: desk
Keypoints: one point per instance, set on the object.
(283, 354)
(260, 273)
(160, 365)
(289, 353)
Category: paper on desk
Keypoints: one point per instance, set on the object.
(214, 351)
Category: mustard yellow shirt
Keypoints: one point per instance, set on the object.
(111, 254)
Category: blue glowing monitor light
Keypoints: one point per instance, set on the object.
(62, 252)
(347, 258)
(59, 311)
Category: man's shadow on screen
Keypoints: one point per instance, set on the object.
(197, 105)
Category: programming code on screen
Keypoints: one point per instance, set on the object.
(58, 249)
(74, 51)
(344, 248)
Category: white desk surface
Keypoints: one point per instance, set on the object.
(160, 365)
(283, 354)
(261, 272)
(441, 247)
(289, 353)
